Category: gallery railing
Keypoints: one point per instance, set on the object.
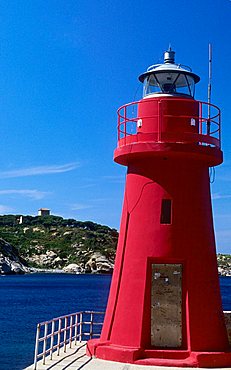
(207, 125)
(59, 333)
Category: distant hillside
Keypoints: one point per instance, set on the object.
(51, 242)
(54, 242)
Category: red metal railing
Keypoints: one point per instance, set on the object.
(209, 128)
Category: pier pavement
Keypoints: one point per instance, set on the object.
(76, 359)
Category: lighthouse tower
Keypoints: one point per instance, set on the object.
(164, 306)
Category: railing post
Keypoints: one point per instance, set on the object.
(76, 328)
(208, 131)
(65, 334)
(45, 343)
(36, 346)
(125, 123)
(70, 332)
(80, 326)
(219, 123)
(118, 125)
(200, 118)
(200, 121)
(59, 336)
(52, 338)
(91, 325)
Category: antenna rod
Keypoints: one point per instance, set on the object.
(209, 89)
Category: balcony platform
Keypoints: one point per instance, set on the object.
(75, 359)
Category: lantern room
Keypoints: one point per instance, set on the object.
(169, 78)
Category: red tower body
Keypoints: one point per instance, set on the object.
(164, 306)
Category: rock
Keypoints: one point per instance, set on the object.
(48, 259)
(38, 229)
(18, 268)
(10, 261)
(224, 271)
(224, 264)
(5, 267)
(73, 268)
(98, 263)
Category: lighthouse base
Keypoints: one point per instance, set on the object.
(139, 356)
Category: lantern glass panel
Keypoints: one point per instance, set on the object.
(151, 85)
(169, 83)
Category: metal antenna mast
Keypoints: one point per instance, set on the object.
(209, 89)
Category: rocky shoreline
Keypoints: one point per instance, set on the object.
(224, 264)
(97, 264)
(12, 263)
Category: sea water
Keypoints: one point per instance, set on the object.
(26, 300)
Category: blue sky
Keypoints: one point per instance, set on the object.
(65, 68)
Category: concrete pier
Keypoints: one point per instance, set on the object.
(76, 359)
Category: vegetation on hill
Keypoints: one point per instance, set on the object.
(54, 242)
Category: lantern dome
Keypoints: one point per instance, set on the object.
(169, 78)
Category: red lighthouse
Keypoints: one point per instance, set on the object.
(164, 306)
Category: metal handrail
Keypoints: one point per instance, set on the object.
(127, 122)
(56, 334)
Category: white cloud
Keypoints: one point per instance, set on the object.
(224, 235)
(220, 196)
(225, 216)
(4, 209)
(101, 200)
(39, 170)
(79, 206)
(32, 194)
(223, 177)
(117, 179)
(87, 186)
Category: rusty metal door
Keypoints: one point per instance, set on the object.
(166, 305)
